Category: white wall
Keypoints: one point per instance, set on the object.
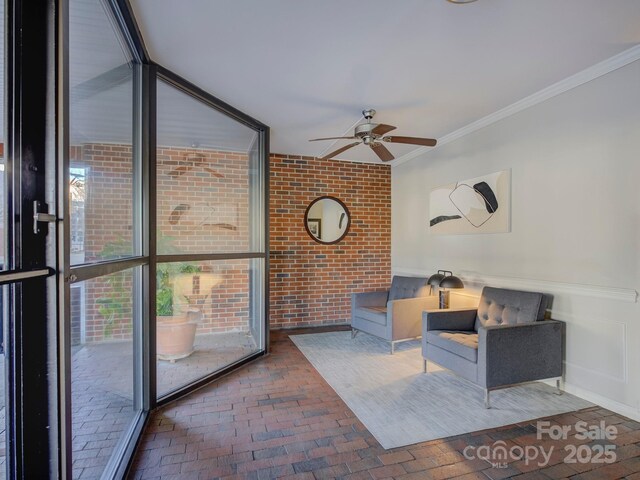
(575, 229)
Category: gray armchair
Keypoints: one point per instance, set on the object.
(394, 315)
(505, 341)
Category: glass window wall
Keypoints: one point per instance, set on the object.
(210, 240)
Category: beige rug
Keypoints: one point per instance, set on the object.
(400, 405)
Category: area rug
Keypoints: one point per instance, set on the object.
(400, 405)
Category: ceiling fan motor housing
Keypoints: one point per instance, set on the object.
(363, 132)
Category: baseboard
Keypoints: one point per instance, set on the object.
(613, 405)
(298, 327)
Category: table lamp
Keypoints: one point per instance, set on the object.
(445, 280)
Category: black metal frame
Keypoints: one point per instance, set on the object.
(31, 407)
(68, 274)
(211, 101)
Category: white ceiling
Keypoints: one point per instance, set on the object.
(307, 68)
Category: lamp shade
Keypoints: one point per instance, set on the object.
(435, 279)
(450, 281)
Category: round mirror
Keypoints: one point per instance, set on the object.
(327, 220)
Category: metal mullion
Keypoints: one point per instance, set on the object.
(204, 381)
(201, 257)
(88, 271)
(151, 195)
(129, 27)
(265, 138)
(205, 97)
(64, 252)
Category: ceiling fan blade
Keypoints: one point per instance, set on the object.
(340, 150)
(427, 142)
(381, 129)
(331, 138)
(382, 152)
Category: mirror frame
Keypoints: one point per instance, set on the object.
(306, 216)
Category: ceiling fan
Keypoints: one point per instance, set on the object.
(374, 134)
(195, 161)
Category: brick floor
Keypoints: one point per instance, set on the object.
(102, 392)
(278, 418)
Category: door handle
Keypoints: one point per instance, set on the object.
(40, 216)
(12, 276)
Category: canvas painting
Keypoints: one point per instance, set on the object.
(477, 205)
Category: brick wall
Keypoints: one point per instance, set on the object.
(311, 283)
(203, 200)
(203, 207)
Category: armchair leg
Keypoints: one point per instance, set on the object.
(354, 332)
(559, 390)
(424, 365)
(487, 399)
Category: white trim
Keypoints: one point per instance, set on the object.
(613, 405)
(475, 296)
(595, 291)
(599, 69)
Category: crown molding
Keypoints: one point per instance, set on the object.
(591, 73)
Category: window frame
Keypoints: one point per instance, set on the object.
(68, 274)
(184, 86)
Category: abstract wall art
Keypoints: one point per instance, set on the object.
(477, 205)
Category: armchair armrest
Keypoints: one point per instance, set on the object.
(405, 315)
(369, 299)
(449, 320)
(509, 354)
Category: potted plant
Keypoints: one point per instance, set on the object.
(176, 319)
(175, 323)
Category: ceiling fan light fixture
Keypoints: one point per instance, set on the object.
(460, 2)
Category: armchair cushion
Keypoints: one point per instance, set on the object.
(499, 306)
(373, 314)
(449, 320)
(408, 287)
(369, 299)
(463, 344)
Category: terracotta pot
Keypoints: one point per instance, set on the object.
(175, 337)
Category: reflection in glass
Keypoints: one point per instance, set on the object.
(209, 315)
(327, 220)
(3, 234)
(104, 311)
(206, 178)
(101, 173)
